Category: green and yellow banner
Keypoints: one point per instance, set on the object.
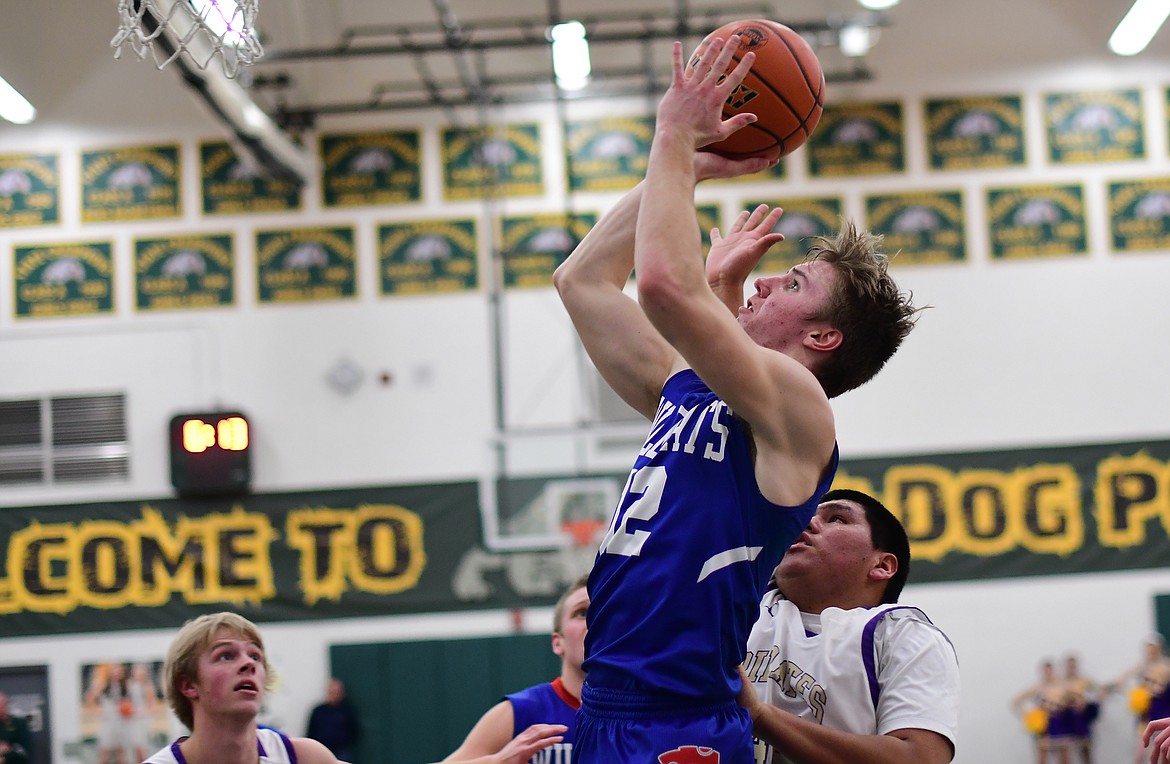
(130, 183)
(418, 548)
(30, 190)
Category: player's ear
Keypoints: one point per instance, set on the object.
(187, 688)
(885, 567)
(558, 644)
(824, 339)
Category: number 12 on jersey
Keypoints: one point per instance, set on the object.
(646, 484)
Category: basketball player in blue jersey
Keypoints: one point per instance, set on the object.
(742, 441)
(536, 724)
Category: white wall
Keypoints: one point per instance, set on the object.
(1065, 351)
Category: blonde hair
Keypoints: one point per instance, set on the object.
(190, 644)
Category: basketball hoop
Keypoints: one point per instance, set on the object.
(201, 29)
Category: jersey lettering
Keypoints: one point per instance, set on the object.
(795, 682)
(557, 753)
(687, 430)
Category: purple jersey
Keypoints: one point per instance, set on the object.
(677, 582)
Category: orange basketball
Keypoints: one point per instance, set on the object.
(785, 89)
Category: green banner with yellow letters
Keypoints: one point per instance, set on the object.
(414, 549)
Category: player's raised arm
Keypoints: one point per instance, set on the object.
(734, 256)
(627, 350)
(774, 391)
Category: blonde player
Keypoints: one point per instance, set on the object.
(216, 678)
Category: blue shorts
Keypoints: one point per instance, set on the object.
(628, 728)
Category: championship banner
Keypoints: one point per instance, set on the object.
(1036, 221)
(923, 227)
(975, 132)
(371, 168)
(858, 139)
(489, 162)
(1104, 126)
(608, 154)
(803, 220)
(230, 186)
(184, 272)
(306, 264)
(133, 183)
(533, 246)
(417, 549)
(52, 280)
(1139, 214)
(29, 190)
(428, 257)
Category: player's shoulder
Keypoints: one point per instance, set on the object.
(907, 626)
(162, 756)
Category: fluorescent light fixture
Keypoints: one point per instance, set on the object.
(877, 5)
(1139, 26)
(570, 52)
(855, 40)
(13, 106)
(223, 18)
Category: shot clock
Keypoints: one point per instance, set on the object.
(210, 453)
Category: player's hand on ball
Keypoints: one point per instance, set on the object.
(693, 106)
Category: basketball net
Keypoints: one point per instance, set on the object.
(201, 29)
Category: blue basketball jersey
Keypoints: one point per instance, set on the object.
(691, 547)
(548, 703)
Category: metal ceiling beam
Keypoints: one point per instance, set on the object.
(469, 44)
(519, 33)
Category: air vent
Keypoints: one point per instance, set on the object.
(64, 439)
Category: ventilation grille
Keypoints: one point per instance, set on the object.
(64, 440)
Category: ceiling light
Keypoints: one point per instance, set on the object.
(570, 52)
(877, 5)
(13, 106)
(855, 40)
(1139, 26)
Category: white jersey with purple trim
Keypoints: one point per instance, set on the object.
(273, 746)
(867, 671)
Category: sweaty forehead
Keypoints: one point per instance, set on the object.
(841, 505)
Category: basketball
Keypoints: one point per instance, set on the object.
(785, 89)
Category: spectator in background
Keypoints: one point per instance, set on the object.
(1082, 708)
(109, 693)
(1149, 698)
(15, 739)
(1044, 710)
(335, 723)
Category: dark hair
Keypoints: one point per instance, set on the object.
(885, 531)
(867, 307)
